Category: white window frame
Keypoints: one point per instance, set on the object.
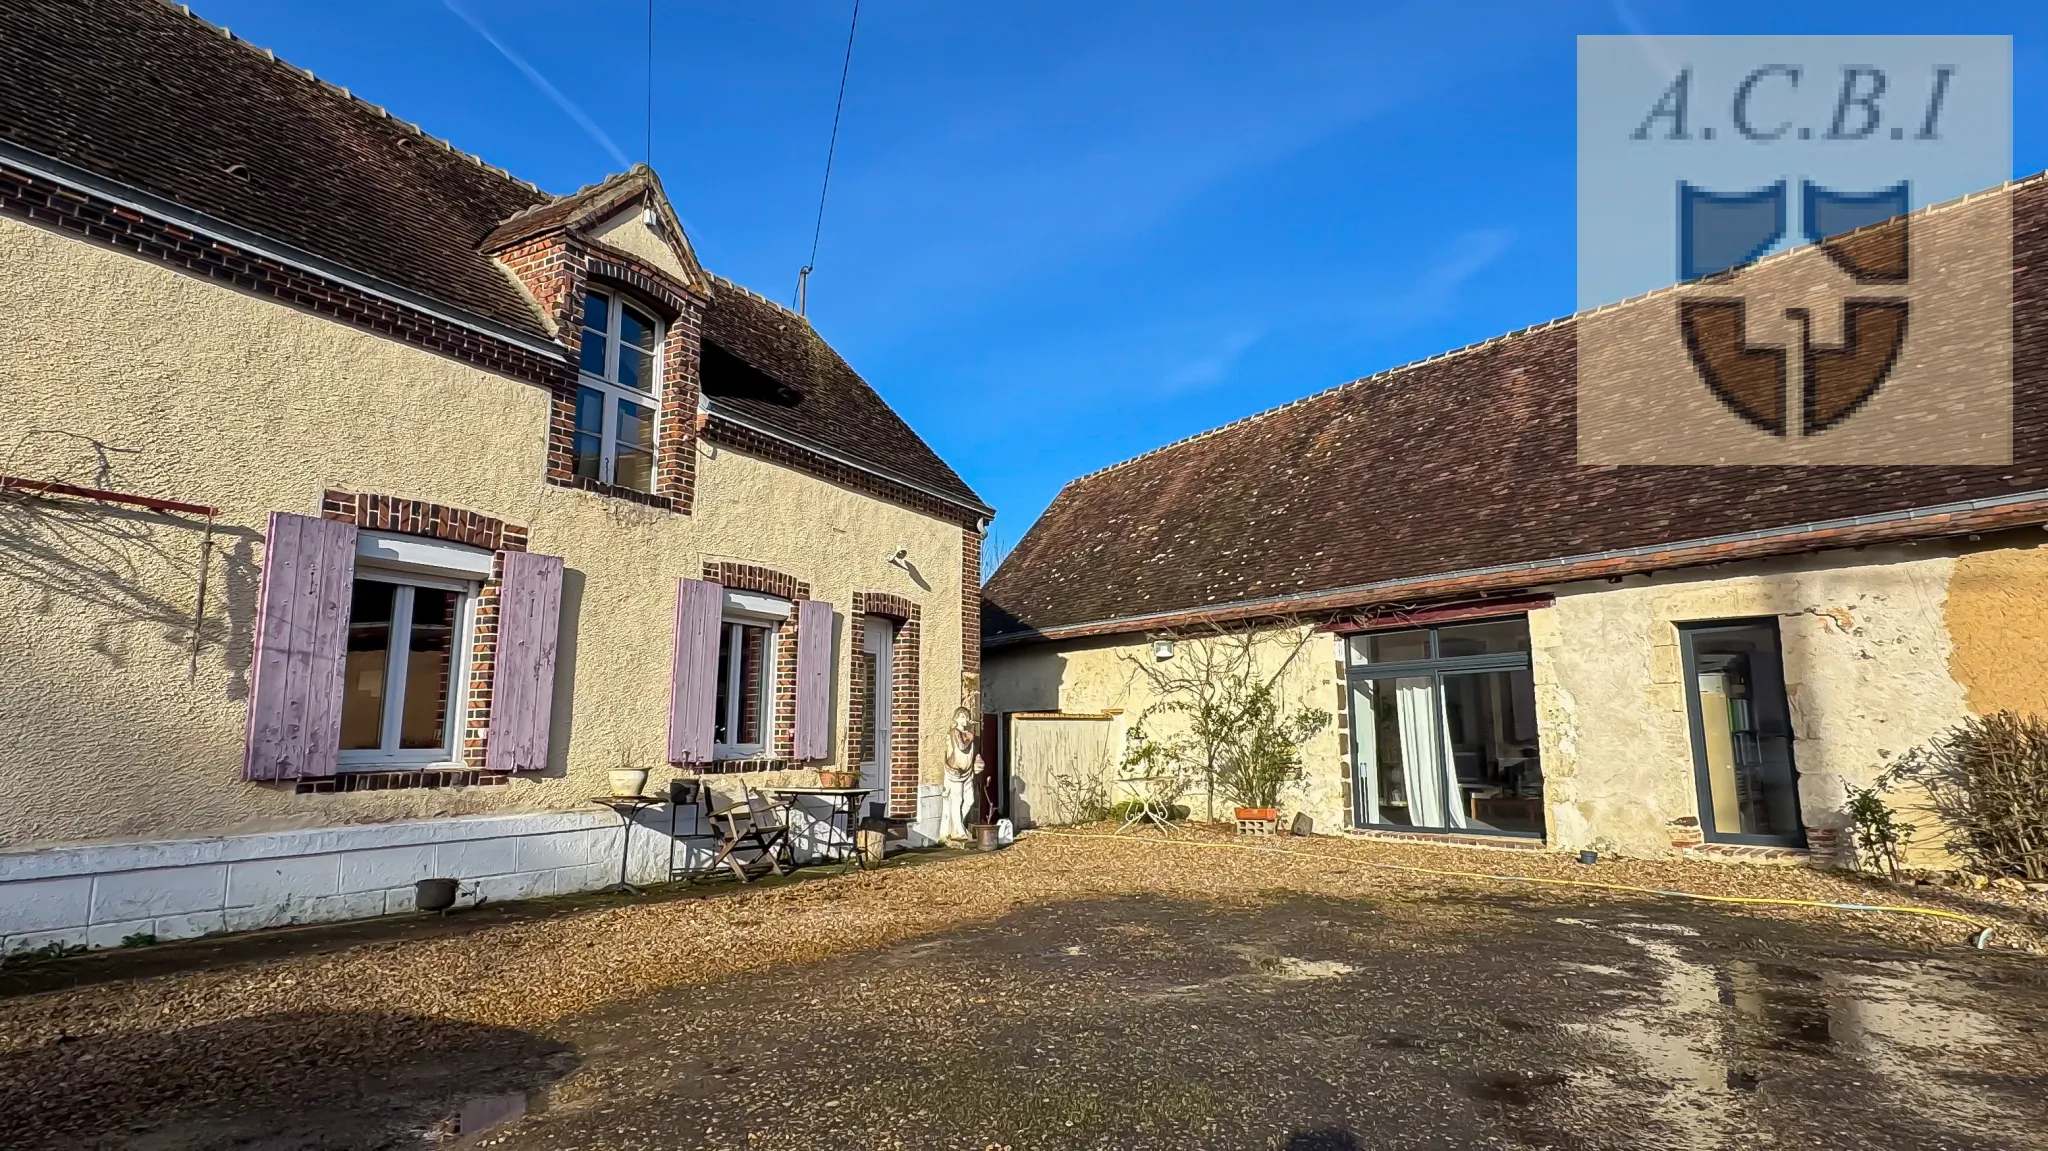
(742, 610)
(390, 756)
(607, 384)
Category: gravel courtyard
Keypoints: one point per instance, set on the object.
(1075, 992)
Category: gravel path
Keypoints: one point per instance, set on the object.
(367, 1046)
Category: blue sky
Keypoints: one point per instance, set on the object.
(1062, 232)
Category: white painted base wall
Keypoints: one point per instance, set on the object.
(97, 895)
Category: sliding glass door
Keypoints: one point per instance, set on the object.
(1741, 734)
(1443, 727)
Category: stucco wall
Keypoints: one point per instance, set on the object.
(127, 375)
(1866, 657)
(1883, 648)
(1997, 613)
(1091, 676)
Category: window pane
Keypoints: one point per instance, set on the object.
(596, 322)
(429, 668)
(1744, 734)
(1494, 637)
(755, 699)
(589, 438)
(722, 717)
(635, 329)
(1388, 647)
(369, 643)
(634, 441)
(1490, 723)
(636, 369)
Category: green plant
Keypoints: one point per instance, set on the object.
(1262, 750)
(1217, 692)
(139, 939)
(1877, 834)
(1987, 780)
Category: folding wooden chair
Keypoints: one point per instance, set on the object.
(756, 830)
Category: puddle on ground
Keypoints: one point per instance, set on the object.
(1898, 1020)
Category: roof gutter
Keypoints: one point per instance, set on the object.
(1951, 519)
(135, 199)
(975, 506)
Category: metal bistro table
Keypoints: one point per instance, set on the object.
(843, 801)
(627, 806)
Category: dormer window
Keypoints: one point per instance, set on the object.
(619, 392)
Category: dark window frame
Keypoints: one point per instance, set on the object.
(1695, 723)
(1436, 667)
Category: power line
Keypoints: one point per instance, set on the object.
(803, 274)
(650, 84)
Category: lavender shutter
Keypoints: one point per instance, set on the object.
(295, 681)
(523, 682)
(813, 679)
(693, 676)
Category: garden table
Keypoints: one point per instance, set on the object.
(840, 801)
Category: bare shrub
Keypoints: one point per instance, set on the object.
(1987, 779)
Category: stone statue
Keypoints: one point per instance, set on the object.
(963, 763)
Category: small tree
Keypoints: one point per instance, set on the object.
(1233, 736)
(1987, 779)
(1263, 754)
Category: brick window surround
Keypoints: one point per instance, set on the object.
(556, 267)
(458, 526)
(736, 576)
(905, 698)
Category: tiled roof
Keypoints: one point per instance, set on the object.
(145, 94)
(823, 401)
(1463, 461)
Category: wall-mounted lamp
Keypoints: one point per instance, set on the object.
(1162, 649)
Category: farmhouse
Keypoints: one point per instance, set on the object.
(1519, 645)
(365, 506)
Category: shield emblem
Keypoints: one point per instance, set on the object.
(1721, 231)
(1874, 257)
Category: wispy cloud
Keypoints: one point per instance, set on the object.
(1437, 288)
(1210, 368)
(562, 101)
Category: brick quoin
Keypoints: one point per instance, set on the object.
(451, 525)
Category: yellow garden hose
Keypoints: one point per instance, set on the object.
(1983, 934)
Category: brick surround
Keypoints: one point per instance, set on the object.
(556, 266)
(767, 581)
(905, 696)
(452, 525)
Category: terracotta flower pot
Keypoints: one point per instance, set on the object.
(1269, 814)
(838, 779)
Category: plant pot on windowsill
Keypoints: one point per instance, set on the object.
(628, 782)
